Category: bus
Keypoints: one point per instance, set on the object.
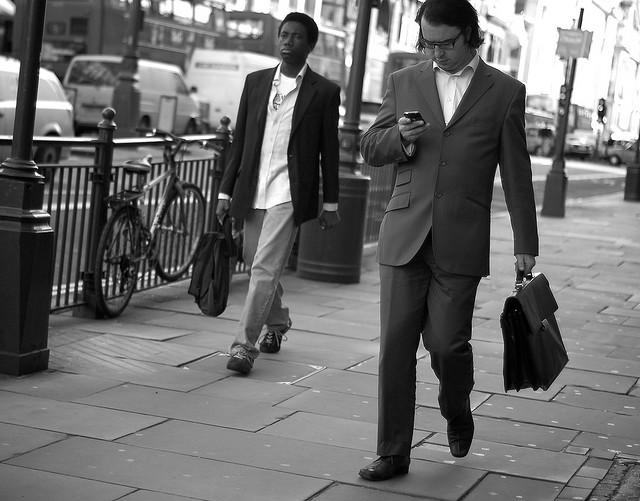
(399, 60)
(258, 32)
(169, 31)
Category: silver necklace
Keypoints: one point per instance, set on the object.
(278, 98)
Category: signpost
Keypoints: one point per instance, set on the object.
(571, 44)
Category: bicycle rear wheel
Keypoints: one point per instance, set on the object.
(179, 233)
(116, 268)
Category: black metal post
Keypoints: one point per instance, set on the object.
(555, 188)
(336, 255)
(26, 237)
(101, 180)
(632, 181)
(126, 94)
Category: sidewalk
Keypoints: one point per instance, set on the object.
(142, 408)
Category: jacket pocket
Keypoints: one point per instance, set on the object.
(403, 177)
(400, 201)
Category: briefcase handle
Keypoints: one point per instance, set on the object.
(520, 279)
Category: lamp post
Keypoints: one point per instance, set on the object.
(126, 94)
(26, 237)
(555, 188)
(632, 181)
(336, 255)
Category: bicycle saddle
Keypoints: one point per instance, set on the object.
(140, 166)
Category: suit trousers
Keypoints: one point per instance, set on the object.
(420, 299)
(269, 235)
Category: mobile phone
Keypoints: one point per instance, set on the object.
(413, 115)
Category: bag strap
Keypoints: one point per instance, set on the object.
(225, 225)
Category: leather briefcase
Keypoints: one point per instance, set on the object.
(534, 354)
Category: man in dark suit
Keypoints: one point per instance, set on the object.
(286, 134)
(433, 247)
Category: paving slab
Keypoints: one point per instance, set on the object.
(134, 329)
(260, 450)
(507, 488)
(71, 418)
(167, 472)
(596, 380)
(433, 480)
(80, 359)
(623, 445)
(141, 495)
(16, 440)
(352, 382)
(590, 399)
(352, 493)
(326, 430)
(504, 458)
(56, 385)
(335, 404)
(31, 485)
(269, 369)
(164, 404)
(523, 434)
(247, 390)
(553, 414)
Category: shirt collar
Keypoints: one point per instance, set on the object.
(299, 76)
(473, 64)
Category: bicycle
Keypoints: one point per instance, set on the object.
(169, 242)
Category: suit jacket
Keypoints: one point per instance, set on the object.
(313, 145)
(446, 187)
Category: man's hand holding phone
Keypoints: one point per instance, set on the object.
(412, 126)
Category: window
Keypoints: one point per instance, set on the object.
(79, 26)
(94, 73)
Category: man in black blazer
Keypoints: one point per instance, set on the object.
(286, 135)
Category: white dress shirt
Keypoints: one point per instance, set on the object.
(452, 86)
(273, 179)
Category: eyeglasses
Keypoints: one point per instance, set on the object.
(446, 45)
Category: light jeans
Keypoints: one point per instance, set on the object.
(268, 239)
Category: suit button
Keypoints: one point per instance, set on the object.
(442, 163)
(447, 133)
(438, 195)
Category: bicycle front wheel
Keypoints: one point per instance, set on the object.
(179, 233)
(116, 268)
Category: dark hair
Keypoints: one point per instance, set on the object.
(306, 21)
(458, 13)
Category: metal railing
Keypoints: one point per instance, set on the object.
(75, 197)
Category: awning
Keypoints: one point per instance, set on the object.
(7, 8)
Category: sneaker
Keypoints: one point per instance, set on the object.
(241, 361)
(271, 341)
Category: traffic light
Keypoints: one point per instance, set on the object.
(602, 110)
(562, 100)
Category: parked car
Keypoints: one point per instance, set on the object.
(621, 152)
(540, 141)
(165, 99)
(54, 112)
(580, 143)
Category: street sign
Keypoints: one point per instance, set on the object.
(573, 43)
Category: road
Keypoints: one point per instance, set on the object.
(585, 179)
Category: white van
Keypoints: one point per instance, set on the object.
(90, 80)
(219, 78)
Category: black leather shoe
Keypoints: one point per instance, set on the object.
(386, 467)
(460, 432)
